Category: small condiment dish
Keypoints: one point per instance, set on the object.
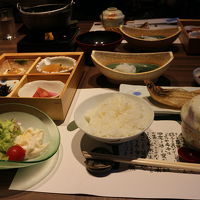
(57, 64)
(30, 88)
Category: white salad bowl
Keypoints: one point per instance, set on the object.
(29, 116)
(114, 116)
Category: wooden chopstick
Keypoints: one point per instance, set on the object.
(193, 167)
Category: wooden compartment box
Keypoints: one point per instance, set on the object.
(191, 45)
(56, 107)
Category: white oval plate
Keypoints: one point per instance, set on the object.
(29, 89)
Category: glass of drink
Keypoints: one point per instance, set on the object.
(7, 24)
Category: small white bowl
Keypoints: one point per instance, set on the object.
(196, 75)
(29, 89)
(120, 109)
(63, 60)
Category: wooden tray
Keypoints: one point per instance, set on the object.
(57, 107)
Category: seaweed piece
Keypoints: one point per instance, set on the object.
(4, 90)
(145, 67)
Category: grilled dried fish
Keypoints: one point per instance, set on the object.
(174, 98)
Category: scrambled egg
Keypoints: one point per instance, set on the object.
(32, 141)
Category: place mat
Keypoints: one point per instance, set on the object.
(65, 173)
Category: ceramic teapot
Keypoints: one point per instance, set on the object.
(112, 17)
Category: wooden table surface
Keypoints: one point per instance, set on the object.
(179, 74)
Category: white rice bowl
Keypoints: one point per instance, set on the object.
(114, 117)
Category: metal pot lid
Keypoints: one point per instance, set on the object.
(57, 8)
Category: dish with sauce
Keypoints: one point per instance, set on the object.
(15, 66)
(58, 64)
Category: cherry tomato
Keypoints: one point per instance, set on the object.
(16, 153)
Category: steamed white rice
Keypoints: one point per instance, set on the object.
(117, 117)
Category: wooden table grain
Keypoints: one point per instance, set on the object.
(178, 74)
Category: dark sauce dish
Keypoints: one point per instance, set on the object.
(98, 40)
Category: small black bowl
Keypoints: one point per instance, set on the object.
(98, 40)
